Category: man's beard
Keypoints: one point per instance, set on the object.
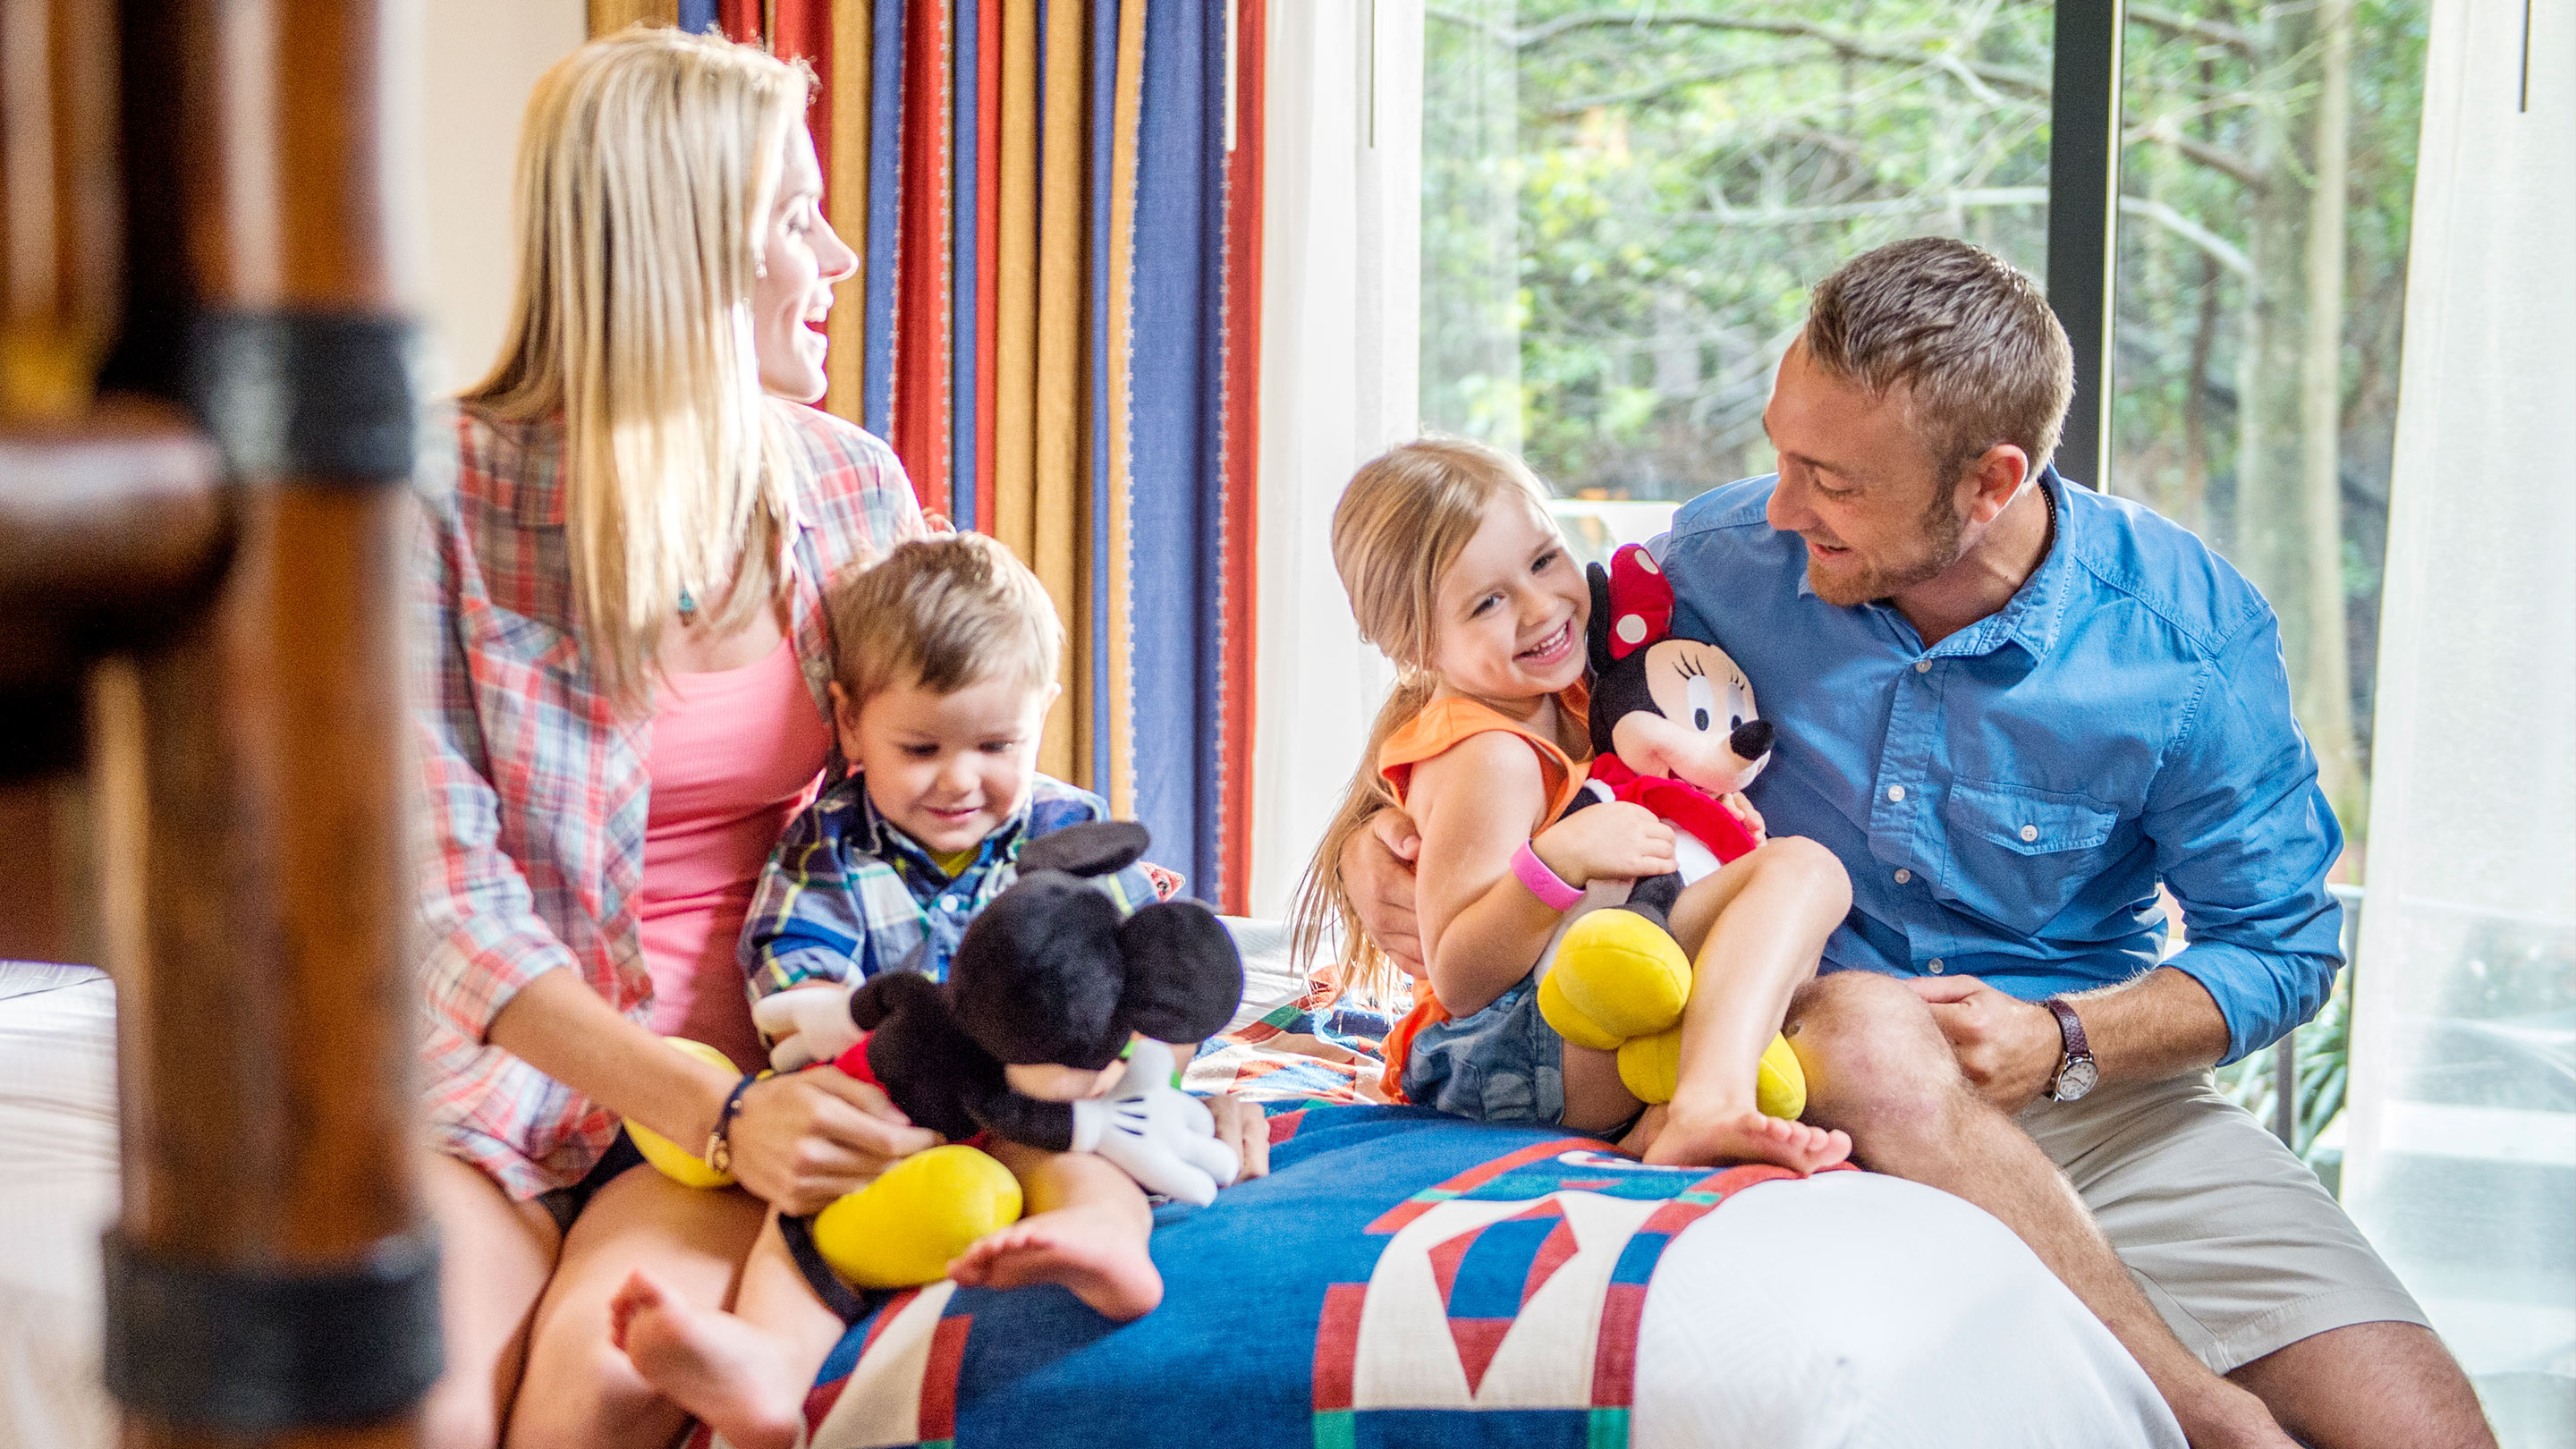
(1941, 525)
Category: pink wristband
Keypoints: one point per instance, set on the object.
(1547, 885)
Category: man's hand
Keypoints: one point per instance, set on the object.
(2007, 1048)
(1377, 869)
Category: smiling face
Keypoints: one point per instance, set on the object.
(1701, 704)
(800, 258)
(1857, 486)
(946, 769)
(1508, 616)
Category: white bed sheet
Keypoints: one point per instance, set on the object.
(1859, 1312)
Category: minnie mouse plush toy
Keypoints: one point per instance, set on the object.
(1673, 729)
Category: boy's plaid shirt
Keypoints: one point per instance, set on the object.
(535, 789)
(848, 896)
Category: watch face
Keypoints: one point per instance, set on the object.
(2076, 1078)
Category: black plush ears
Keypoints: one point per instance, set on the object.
(1596, 634)
(1038, 976)
(1184, 975)
(1098, 847)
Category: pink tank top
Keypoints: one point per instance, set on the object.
(734, 754)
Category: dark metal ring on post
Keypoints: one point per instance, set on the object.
(312, 395)
(251, 1350)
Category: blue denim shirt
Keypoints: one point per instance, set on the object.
(2007, 799)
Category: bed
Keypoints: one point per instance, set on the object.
(1400, 1278)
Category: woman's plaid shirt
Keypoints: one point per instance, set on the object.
(535, 788)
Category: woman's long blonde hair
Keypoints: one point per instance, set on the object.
(1402, 522)
(649, 163)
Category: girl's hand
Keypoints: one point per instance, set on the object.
(802, 1140)
(1241, 1126)
(1742, 809)
(1616, 840)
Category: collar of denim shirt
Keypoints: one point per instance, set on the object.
(2030, 618)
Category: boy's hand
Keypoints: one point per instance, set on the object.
(1617, 840)
(807, 1024)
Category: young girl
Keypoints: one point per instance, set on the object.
(1456, 573)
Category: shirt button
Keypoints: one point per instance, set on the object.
(1922, 666)
(948, 903)
(2030, 832)
(1895, 792)
(1903, 875)
(1934, 966)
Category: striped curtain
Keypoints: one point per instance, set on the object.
(1057, 326)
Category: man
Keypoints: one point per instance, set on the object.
(2012, 706)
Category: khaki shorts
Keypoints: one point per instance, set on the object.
(2232, 1238)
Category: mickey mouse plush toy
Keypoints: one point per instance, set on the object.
(1050, 987)
(1673, 729)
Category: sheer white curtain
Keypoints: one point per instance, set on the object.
(2462, 1160)
(1340, 344)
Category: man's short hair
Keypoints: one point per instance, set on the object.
(942, 613)
(1969, 337)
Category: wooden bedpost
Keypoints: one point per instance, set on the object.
(213, 553)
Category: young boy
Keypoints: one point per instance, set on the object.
(946, 657)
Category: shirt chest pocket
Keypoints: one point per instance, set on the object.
(2018, 855)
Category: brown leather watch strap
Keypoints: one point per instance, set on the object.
(2069, 1026)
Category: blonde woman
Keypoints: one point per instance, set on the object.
(623, 653)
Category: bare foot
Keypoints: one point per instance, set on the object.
(1745, 1136)
(718, 1367)
(1095, 1252)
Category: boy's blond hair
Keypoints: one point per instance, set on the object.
(942, 613)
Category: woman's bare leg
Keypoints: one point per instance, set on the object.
(745, 1373)
(580, 1391)
(1086, 1229)
(1756, 930)
(494, 1257)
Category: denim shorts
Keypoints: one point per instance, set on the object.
(1502, 1064)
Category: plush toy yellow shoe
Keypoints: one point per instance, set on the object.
(904, 1229)
(676, 1162)
(1650, 1065)
(1617, 976)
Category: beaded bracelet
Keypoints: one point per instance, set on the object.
(720, 1141)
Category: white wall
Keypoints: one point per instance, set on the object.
(478, 60)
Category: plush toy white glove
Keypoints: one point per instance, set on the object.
(809, 1023)
(1157, 1134)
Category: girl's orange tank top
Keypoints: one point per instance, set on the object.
(1429, 735)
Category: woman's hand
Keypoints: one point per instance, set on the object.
(1615, 840)
(1377, 870)
(1241, 1126)
(802, 1140)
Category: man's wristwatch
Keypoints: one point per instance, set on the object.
(2076, 1072)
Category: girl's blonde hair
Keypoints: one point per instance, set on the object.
(649, 163)
(1406, 516)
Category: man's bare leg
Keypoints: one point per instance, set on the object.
(2370, 1386)
(1878, 1067)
